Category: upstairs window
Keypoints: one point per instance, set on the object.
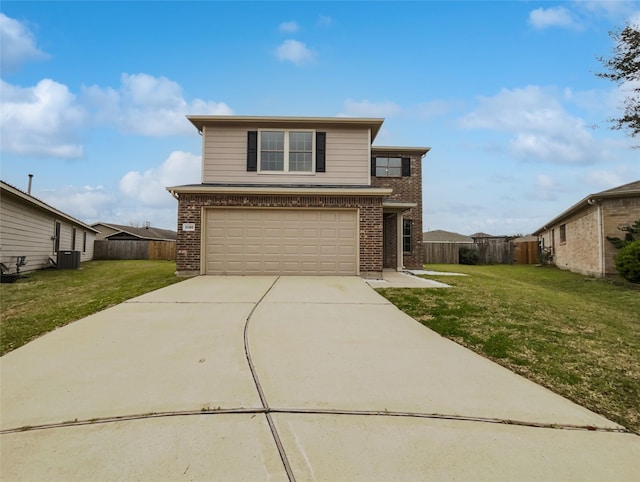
(563, 233)
(286, 151)
(391, 167)
(388, 167)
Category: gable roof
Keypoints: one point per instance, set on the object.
(440, 236)
(37, 203)
(284, 122)
(631, 189)
(142, 233)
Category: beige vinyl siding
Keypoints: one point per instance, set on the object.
(225, 159)
(28, 231)
(104, 231)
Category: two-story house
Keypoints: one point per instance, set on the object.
(299, 195)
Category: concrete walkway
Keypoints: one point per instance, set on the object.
(300, 378)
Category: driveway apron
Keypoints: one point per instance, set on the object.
(284, 378)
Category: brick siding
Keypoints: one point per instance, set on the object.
(581, 250)
(406, 189)
(190, 209)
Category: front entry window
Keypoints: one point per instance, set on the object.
(406, 235)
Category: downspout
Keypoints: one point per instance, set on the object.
(594, 202)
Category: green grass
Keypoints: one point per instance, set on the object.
(49, 299)
(576, 335)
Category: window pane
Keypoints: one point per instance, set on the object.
(395, 162)
(272, 141)
(272, 161)
(272, 151)
(300, 151)
(300, 161)
(381, 171)
(300, 141)
(395, 172)
(382, 162)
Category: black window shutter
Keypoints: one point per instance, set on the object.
(373, 167)
(321, 152)
(406, 167)
(252, 151)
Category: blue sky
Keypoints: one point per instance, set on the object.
(94, 96)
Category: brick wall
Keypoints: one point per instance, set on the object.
(407, 189)
(617, 213)
(581, 250)
(190, 208)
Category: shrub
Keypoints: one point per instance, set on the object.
(468, 256)
(628, 262)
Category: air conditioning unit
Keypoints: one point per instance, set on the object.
(68, 260)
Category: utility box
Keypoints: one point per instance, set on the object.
(68, 260)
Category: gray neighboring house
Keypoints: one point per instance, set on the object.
(30, 227)
(440, 236)
(119, 232)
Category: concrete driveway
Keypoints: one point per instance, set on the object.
(298, 378)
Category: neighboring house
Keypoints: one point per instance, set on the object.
(31, 228)
(440, 236)
(577, 238)
(299, 195)
(118, 232)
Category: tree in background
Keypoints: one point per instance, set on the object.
(624, 69)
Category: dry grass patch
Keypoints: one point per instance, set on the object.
(578, 336)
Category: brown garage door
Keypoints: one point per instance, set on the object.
(281, 241)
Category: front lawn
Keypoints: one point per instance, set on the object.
(576, 335)
(48, 299)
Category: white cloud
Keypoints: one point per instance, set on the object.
(542, 18)
(148, 105)
(602, 179)
(43, 120)
(149, 186)
(365, 108)
(86, 203)
(546, 188)
(288, 27)
(17, 45)
(540, 128)
(608, 9)
(295, 52)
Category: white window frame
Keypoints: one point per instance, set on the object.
(286, 152)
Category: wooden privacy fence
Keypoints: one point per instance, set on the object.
(493, 252)
(136, 249)
(526, 252)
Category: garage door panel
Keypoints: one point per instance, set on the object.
(281, 241)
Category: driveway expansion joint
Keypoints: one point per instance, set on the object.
(263, 398)
(310, 411)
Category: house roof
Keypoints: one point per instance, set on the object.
(142, 233)
(279, 189)
(482, 235)
(199, 121)
(631, 189)
(403, 149)
(440, 236)
(35, 202)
